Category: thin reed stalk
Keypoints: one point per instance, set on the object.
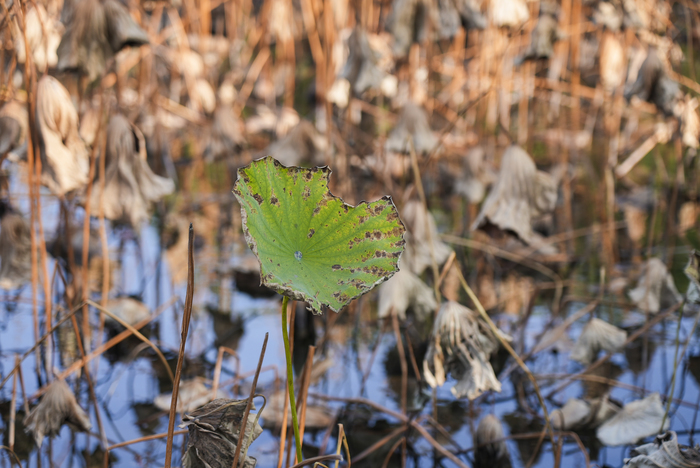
(183, 341)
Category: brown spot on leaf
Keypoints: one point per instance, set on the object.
(307, 192)
(258, 198)
(311, 233)
(274, 201)
(336, 267)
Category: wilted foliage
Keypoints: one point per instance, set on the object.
(460, 345)
(56, 408)
(214, 433)
(597, 336)
(15, 248)
(130, 184)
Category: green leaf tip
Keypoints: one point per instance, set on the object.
(311, 245)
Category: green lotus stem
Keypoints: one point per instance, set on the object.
(290, 379)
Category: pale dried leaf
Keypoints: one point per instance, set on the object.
(128, 309)
(412, 127)
(405, 291)
(636, 420)
(191, 396)
(64, 156)
(597, 336)
(130, 187)
(521, 194)
(655, 289)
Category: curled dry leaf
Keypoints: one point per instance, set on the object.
(520, 194)
(405, 291)
(491, 450)
(95, 31)
(130, 185)
(43, 35)
(597, 336)
(579, 414)
(664, 452)
(412, 126)
(655, 289)
(192, 395)
(460, 345)
(13, 126)
(64, 156)
(690, 122)
(302, 145)
(421, 228)
(214, 432)
(15, 249)
(128, 309)
(654, 85)
(636, 420)
(57, 407)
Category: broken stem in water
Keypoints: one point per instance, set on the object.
(290, 378)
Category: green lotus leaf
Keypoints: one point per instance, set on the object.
(311, 245)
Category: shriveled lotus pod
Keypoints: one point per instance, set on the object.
(521, 194)
(422, 238)
(411, 126)
(545, 34)
(128, 309)
(405, 291)
(508, 13)
(476, 176)
(580, 414)
(15, 249)
(226, 134)
(597, 336)
(655, 289)
(130, 185)
(664, 452)
(214, 433)
(13, 126)
(64, 157)
(43, 35)
(361, 68)
(490, 448)
(613, 67)
(460, 345)
(409, 22)
(654, 85)
(606, 14)
(57, 407)
(636, 420)
(191, 396)
(95, 31)
(302, 145)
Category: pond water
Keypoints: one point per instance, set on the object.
(129, 377)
